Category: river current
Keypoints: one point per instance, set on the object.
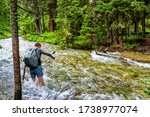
(75, 74)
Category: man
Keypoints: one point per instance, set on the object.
(37, 71)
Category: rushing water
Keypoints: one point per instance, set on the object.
(75, 74)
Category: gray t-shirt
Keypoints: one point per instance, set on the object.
(40, 52)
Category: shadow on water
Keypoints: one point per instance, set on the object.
(75, 75)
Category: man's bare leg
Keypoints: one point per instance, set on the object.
(40, 82)
(33, 79)
(33, 82)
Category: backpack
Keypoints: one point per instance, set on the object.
(30, 58)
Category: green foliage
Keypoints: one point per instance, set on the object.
(82, 42)
(129, 46)
(83, 24)
(147, 30)
(134, 37)
(26, 25)
(52, 38)
(68, 20)
(147, 91)
(4, 19)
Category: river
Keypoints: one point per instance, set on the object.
(76, 75)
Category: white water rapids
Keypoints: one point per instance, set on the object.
(114, 61)
(66, 90)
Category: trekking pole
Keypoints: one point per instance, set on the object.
(24, 71)
(53, 52)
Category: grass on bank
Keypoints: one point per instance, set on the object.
(141, 57)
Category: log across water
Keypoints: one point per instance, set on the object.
(112, 56)
(123, 59)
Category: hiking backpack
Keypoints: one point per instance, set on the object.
(30, 58)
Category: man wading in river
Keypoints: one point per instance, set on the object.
(36, 70)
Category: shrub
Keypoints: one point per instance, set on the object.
(49, 37)
(129, 46)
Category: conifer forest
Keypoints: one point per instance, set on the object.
(102, 48)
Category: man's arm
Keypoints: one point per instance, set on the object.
(47, 53)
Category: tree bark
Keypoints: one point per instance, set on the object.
(135, 27)
(136, 23)
(51, 22)
(121, 38)
(43, 20)
(143, 23)
(37, 18)
(109, 33)
(115, 37)
(94, 38)
(15, 48)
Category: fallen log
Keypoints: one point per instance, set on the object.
(113, 56)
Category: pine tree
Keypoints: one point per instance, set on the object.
(68, 20)
(15, 46)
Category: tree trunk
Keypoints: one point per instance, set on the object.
(135, 27)
(115, 37)
(136, 22)
(143, 23)
(15, 48)
(109, 33)
(113, 56)
(121, 38)
(94, 38)
(37, 18)
(128, 31)
(51, 22)
(43, 20)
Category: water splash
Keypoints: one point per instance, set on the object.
(103, 59)
(110, 60)
(140, 64)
